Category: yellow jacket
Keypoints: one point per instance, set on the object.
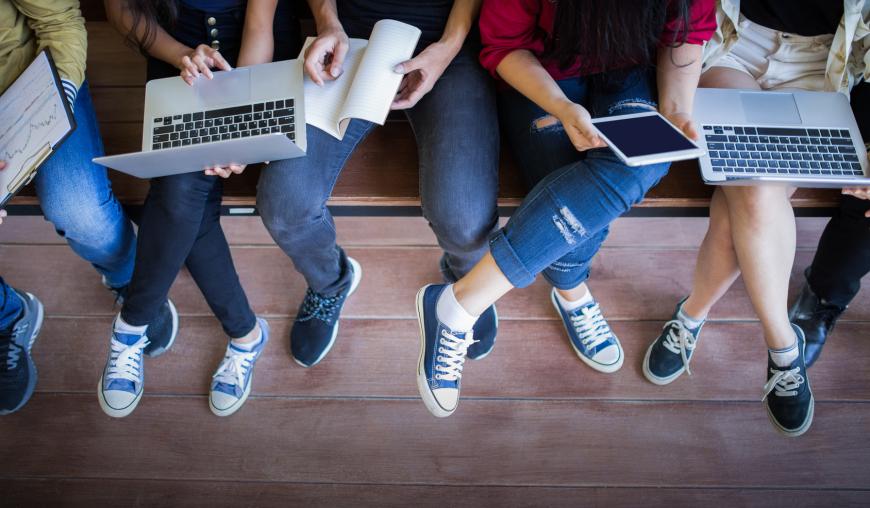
(28, 26)
(848, 61)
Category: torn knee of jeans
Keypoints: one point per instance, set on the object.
(632, 105)
(568, 225)
(545, 122)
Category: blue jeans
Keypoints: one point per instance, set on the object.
(457, 143)
(563, 221)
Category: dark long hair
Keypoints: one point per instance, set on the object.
(608, 33)
(149, 15)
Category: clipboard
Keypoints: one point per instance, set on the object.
(35, 119)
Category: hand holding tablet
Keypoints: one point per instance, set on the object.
(646, 138)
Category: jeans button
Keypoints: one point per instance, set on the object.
(216, 45)
(213, 32)
(211, 21)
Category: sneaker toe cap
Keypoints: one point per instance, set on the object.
(608, 356)
(447, 398)
(223, 401)
(119, 399)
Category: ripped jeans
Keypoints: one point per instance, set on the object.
(565, 218)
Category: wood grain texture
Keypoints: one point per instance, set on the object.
(629, 285)
(208, 494)
(487, 442)
(376, 358)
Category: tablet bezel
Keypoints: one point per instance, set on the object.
(654, 158)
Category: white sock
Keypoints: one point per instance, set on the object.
(570, 305)
(452, 314)
(688, 321)
(786, 356)
(122, 326)
(247, 346)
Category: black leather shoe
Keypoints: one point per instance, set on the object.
(816, 318)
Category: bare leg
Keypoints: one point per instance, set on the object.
(716, 268)
(482, 286)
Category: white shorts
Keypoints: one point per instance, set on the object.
(778, 60)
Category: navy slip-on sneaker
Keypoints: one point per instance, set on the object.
(590, 336)
(787, 394)
(162, 331)
(485, 330)
(316, 325)
(816, 318)
(669, 355)
(232, 381)
(17, 370)
(442, 355)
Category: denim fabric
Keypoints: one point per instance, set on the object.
(181, 218)
(564, 219)
(10, 306)
(76, 197)
(457, 140)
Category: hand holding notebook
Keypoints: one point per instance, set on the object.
(369, 82)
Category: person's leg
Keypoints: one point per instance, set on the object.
(291, 197)
(76, 197)
(10, 306)
(21, 317)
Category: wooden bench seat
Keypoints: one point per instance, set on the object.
(380, 178)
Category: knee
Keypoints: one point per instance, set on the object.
(756, 202)
(85, 219)
(465, 228)
(183, 198)
(289, 214)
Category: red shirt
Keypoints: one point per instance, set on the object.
(509, 25)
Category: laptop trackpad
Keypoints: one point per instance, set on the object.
(231, 87)
(770, 108)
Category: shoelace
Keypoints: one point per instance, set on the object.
(317, 306)
(234, 367)
(125, 361)
(451, 355)
(679, 341)
(591, 326)
(10, 352)
(784, 382)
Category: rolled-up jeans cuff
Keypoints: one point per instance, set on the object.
(567, 283)
(509, 262)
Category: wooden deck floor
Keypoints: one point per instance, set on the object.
(535, 426)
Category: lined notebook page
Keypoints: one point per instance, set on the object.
(375, 84)
(324, 104)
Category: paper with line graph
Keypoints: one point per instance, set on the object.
(34, 118)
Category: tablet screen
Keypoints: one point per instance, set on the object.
(644, 135)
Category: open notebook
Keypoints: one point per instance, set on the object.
(368, 85)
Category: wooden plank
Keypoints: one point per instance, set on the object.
(376, 358)
(487, 442)
(630, 284)
(630, 232)
(87, 493)
(111, 61)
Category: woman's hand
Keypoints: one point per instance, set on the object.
(577, 123)
(682, 121)
(201, 61)
(226, 171)
(860, 193)
(421, 74)
(325, 56)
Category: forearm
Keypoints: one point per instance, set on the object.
(258, 42)
(679, 69)
(524, 72)
(163, 46)
(459, 23)
(325, 15)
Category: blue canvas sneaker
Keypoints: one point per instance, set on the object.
(442, 355)
(485, 330)
(17, 370)
(669, 355)
(316, 325)
(787, 394)
(123, 380)
(591, 336)
(231, 383)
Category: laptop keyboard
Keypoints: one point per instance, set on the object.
(225, 123)
(742, 150)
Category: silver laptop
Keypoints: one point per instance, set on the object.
(806, 139)
(243, 116)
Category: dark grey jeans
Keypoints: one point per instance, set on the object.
(456, 129)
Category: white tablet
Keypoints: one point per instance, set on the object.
(646, 138)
